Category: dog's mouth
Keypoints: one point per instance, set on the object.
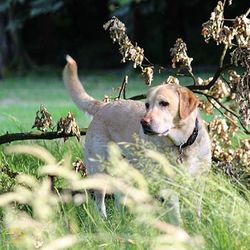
(164, 133)
(149, 131)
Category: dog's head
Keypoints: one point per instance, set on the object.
(167, 106)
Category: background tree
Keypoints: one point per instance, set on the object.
(46, 30)
(3, 46)
(14, 14)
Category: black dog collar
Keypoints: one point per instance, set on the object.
(192, 137)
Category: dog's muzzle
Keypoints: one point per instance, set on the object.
(147, 128)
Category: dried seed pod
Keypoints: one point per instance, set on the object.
(116, 28)
(213, 27)
(43, 119)
(128, 50)
(241, 25)
(234, 80)
(106, 98)
(179, 55)
(172, 80)
(219, 90)
(207, 107)
(80, 167)
(218, 130)
(241, 86)
(243, 152)
(68, 126)
(147, 74)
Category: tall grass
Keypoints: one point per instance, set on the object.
(35, 217)
(31, 216)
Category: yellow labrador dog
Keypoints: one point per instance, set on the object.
(169, 118)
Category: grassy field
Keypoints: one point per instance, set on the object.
(42, 219)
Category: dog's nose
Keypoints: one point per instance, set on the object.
(146, 126)
(145, 121)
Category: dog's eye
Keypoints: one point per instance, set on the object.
(163, 103)
(147, 105)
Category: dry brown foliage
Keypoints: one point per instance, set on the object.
(68, 126)
(236, 36)
(128, 50)
(215, 28)
(179, 55)
(227, 92)
(43, 119)
(80, 167)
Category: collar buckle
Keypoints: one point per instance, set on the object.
(180, 157)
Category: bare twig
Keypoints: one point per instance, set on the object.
(220, 111)
(7, 138)
(212, 82)
(156, 66)
(232, 20)
(248, 12)
(217, 74)
(192, 76)
(225, 108)
(123, 88)
(225, 80)
(150, 63)
(228, 19)
(223, 55)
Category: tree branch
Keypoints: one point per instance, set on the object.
(138, 97)
(212, 82)
(217, 74)
(189, 74)
(225, 108)
(7, 138)
(223, 55)
(192, 76)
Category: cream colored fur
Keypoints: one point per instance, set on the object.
(118, 121)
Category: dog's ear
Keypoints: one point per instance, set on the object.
(188, 102)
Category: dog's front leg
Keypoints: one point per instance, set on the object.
(100, 202)
(94, 166)
(171, 202)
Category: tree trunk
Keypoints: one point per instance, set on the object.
(20, 59)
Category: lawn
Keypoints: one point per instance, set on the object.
(225, 219)
(21, 97)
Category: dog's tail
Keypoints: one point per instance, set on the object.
(76, 89)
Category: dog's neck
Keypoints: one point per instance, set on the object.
(185, 134)
(191, 139)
